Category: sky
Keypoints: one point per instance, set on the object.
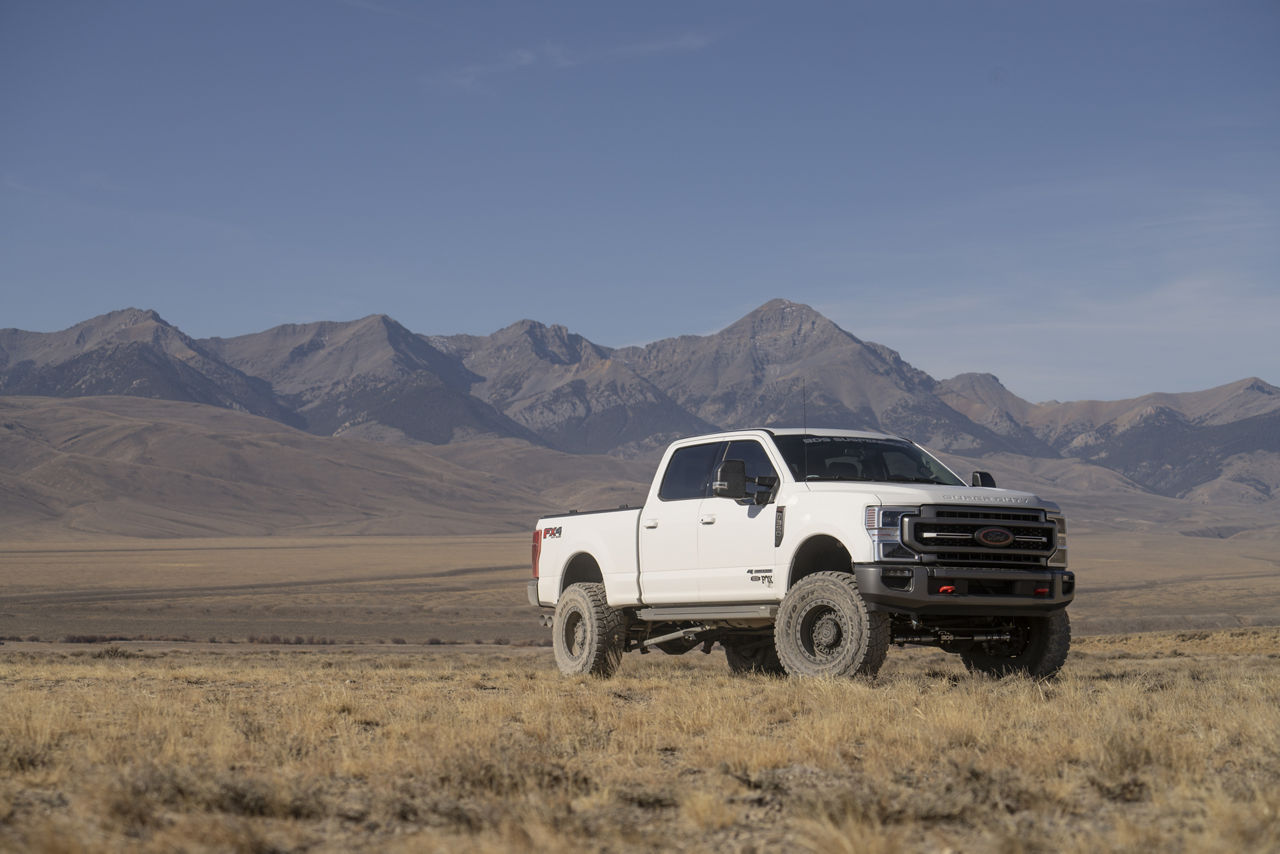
(1082, 198)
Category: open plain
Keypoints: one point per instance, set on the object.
(261, 687)
(470, 588)
(390, 693)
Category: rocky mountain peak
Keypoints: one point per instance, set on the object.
(983, 389)
(1254, 385)
(784, 324)
(554, 344)
(128, 326)
(121, 319)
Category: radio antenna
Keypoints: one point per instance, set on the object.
(804, 427)
(804, 406)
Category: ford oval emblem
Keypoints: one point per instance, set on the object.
(996, 538)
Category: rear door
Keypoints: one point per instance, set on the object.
(669, 565)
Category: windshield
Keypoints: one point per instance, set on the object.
(877, 460)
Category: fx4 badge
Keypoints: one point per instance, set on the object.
(551, 533)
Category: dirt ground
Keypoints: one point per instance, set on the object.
(472, 588)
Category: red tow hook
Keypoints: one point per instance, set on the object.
(947, 588)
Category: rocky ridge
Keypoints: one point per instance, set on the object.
(782, 364)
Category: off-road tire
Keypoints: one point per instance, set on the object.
(1038, 650)
(753, 655)
(823, 628)
(586, 634)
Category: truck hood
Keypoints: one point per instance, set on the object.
(921, 493)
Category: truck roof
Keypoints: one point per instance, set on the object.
(801, 431)
(830, 431)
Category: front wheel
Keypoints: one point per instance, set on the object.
(823, 628)
(1037, 647)
(587, 635)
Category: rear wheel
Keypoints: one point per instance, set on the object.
(823, 628)
(587, 635)
(1037, 647)
(753, 655)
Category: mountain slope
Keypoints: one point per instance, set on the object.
(570, 392)
(125, 466)
(1171, 444)
(784, 364)
(129, 352)
(369, 377)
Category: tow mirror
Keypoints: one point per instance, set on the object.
(984, 478)
(730, 480)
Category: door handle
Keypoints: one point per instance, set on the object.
(707, 519)
(651, 523)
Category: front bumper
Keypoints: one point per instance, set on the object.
(964, 591)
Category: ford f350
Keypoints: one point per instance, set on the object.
(809, 553)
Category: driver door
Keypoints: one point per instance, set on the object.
(735, 538)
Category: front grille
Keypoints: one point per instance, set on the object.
(989, 515)
(981, 558)
(965, 536)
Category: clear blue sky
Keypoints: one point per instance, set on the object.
(1082, 198)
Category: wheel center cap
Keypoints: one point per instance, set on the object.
(826, 632)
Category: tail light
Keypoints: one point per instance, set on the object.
(537, 550)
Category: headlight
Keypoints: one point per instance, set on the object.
(884, 526)
(1059, 557)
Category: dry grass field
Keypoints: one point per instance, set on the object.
(1158, 742)
(390, 728)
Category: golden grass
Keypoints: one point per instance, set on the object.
(1167, 742)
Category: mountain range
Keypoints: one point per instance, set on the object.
(537, 385)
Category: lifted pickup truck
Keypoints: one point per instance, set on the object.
(808, 553)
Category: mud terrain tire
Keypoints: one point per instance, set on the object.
(1038, 649)
(587, 635)
(823, 628)
(747, 656)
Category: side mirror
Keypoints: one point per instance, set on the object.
(730, 480)
(767, 483)
(984, 478)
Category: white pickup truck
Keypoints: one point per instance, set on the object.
(808, 553)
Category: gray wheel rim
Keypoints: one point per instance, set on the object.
(575, 634)
(823, 634)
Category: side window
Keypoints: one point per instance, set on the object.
(758, 464)
(688, 474)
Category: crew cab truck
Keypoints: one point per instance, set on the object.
(809, 553)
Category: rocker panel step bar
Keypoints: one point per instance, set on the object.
(703, 612)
